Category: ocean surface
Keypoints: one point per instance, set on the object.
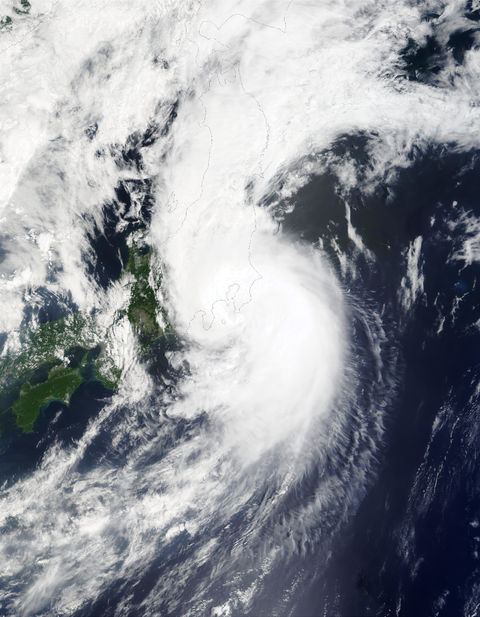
(302, 439)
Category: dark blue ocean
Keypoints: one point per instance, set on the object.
(411, 548)
(136, 504)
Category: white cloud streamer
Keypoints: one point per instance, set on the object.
(262, 85)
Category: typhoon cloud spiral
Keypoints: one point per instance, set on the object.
(239, 260)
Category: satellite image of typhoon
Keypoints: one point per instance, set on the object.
(239, 308)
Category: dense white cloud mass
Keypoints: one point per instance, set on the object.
(268, 369)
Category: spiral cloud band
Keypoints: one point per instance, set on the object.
(191, 494)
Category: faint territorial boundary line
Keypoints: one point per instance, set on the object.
(256, 21)
(259, 173)
(41, 17)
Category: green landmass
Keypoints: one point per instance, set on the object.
(6, 21)
(60, 385)
(54, 358)
(143, 309)
(48, 354)
(26, 6)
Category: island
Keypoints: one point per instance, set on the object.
(54, 358)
